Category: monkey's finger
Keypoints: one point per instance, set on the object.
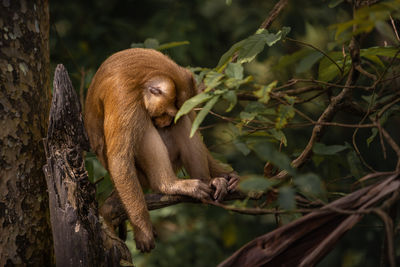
(222, 194)
(217, 193)
(204, 195)
(206, 188)
(232, 184)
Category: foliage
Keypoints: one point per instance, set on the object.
(265, 96)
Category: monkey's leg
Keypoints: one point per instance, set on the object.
(122, 169)
(154, 160)
(194, 156)
(215, 167)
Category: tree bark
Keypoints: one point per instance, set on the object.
(25, 237)
(79, 237)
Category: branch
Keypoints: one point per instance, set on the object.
(330, 111)
(114, 213)
(273, 14)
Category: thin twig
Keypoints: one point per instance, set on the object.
(366, 73)
(319, 50)
(394, 28)
(385, 108)
(394, 146)
(378, 123)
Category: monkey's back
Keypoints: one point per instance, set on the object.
(116, 88)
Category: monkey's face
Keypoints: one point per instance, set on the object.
(160, 100)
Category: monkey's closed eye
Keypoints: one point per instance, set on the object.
(155, 90)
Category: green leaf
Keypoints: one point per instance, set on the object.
(322, 149)
(228, 55)
(375, 59)
(256, 184)
(252, 46)
(249, 48)
(267, 152)
(263, 118)
(307, 62)
(202, 114)
(286, 198)
(385, 29)
(317, 159)
(172, 45)
(254, 106)
(273, 38)
(341, 27)
(247, 116)
(191, 103)
(278, 135)
(284, 31)
(372, 137)
(231, 97)
(327, 71)
(355, 164)
(285, 113)
(309, 184)
(151, 43)
(387, 51)
(235, 83)
(234, 70)
(212, 80)
(289, 60)
(95, 170)
(242, 147)
(264, 91)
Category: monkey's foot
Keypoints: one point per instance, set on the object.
(144, 242)
(220, 184)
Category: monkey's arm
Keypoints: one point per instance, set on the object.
(154, 160)
(198, 161)
(120, 152)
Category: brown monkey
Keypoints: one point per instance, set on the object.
(129, 111)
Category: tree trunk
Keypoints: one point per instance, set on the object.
(25, 237)
(79, 236)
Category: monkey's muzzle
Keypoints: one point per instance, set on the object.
(163, 121)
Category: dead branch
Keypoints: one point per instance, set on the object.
(79, 236)
(305, 241)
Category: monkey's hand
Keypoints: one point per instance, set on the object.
(233, 181)
(144, 241)
(220, 184)
(191, 187)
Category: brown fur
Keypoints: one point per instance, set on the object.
(119, 118)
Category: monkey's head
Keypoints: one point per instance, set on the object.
(160, 100)
(163, 96)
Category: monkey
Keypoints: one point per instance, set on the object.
(130, 107)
